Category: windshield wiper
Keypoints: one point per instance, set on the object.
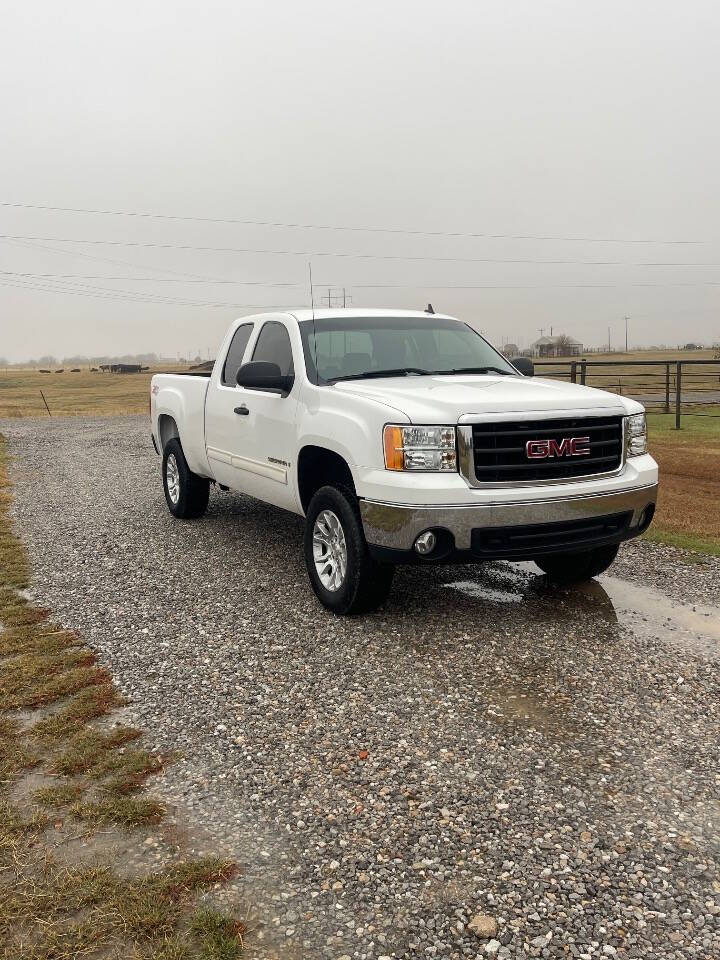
(399, 372)
(503, 373)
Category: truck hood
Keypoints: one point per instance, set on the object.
(430, 399)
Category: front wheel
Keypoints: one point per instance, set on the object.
(343, 575)
(566, 568)
(186, 493)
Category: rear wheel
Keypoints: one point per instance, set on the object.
(343, 575)
(186, 493)
(578, 567)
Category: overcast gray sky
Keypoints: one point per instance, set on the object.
(517, 118)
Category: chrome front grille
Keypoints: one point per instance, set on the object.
(499, 453)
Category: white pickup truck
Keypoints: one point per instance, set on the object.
(405, 437)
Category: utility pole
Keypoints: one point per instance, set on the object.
(344, 298)
(626, 332)
(609, 347)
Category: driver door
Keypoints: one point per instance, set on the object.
(263, 460)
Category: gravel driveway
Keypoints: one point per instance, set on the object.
(482, 745)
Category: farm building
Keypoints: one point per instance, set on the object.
(560, 346)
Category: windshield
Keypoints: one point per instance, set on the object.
(360, 347)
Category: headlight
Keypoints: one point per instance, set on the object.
(635, 435)
(420, 448)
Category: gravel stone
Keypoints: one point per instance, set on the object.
(484, 744)
(483, 925)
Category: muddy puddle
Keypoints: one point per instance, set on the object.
(644, 611)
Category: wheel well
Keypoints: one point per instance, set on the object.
(167, 429)
(318, 467)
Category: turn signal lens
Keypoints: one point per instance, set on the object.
(428, 449)
(393, 438)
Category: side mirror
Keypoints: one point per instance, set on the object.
(262, 375)
(524, 365)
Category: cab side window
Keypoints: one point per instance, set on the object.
(235, 354)
(273, 345)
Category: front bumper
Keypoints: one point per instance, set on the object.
(510, 530)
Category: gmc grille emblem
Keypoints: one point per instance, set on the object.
(569, 447)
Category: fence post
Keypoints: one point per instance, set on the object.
(678, 394)
(667, 388)
(583, 371)
(573, 371)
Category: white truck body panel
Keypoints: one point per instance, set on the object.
(258, 453)
(182, 399)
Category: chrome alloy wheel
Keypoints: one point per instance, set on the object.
(172, 478)
(329, 550)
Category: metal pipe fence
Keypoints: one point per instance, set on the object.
(690, 386)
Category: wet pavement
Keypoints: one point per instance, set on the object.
(484, 744)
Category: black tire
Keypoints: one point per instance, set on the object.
(193, 490)
(366, 584)
(567, 568)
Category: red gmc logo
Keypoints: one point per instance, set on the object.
(569, 447)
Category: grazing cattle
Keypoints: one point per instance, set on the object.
(125, 368)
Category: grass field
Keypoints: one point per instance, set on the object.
(626, 379)
(69, 780)
(689, 506)
(73, 394)
(688, 513)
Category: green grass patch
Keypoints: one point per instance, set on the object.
(126, 772)
(49, 911)
(684, 541)
(119, 810)
(692, 427)
(89, 704)
(221, 936)
(86, 749)
(60, 796)
(26, 639)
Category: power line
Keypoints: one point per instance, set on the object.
(111, 295)
(357, 286)
(123, 263)
(525, 286)
(340, 227)
(133, 297)
(63, 286)
(357, 256)
(81, 276)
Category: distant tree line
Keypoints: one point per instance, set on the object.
(48, 361)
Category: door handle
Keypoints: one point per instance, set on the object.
(243, 410)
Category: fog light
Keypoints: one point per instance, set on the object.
(645, 518)
(425, 543)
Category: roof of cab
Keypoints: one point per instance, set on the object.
(359, 313)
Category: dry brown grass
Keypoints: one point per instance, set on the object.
(50, 910)
(624, 378)
(688, 512)
(74, 394)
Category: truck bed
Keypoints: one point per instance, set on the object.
(182, 397)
